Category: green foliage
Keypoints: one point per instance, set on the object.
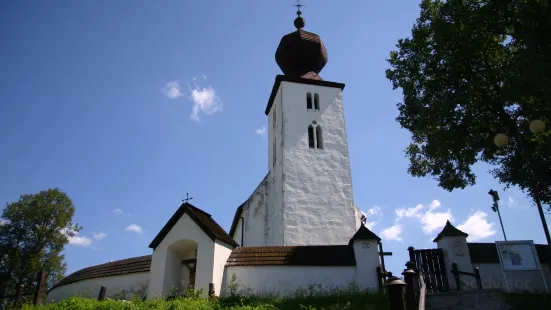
(328, 302)
(472, 69)
(33, 233)
(314, 297)
(527, 301)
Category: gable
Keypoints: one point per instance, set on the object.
(202, 219)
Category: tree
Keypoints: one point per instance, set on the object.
(33, 233)
(473, 69)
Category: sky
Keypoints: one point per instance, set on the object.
(129, 105)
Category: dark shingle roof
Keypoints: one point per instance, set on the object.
(119, 267)
(364, 233)
(201, 218)
(450, 231)
(487, 253)
(316, 255)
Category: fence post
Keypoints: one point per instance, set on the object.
(395, 290)
(411, 251)
(409, 278)
(18, 295)
(211, 289)
(102, 292)
(478, 279)
(455, 272)
(39, 286)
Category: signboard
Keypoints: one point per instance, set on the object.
(518, 255)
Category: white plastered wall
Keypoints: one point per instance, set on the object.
(186, 229)
(283, 280)
(222, 251)
(117, 286)
(318, 203)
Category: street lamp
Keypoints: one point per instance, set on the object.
(495, 208)
(501, 140)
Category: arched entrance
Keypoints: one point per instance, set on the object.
(180, 270)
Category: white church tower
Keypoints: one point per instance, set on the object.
(311, 198)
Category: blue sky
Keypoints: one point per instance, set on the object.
(128, 105)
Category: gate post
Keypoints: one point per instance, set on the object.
(411, 251)
(409, 278)
(395, 291)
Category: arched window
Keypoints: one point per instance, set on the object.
(311, 137)
(319, 137)
(316, 101)
(309, 101)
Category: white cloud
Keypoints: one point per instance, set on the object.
(134, 228)
(511, 202)
(75, 239)
(392, 233)
(430, 219)
(373, 213)
(2, 222)
(172, 90)
(477, 226)
(205, 100)
(262, 131)
(99, 236)
(118, 211)
(414, 212)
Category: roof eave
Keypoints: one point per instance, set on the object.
(284, 78)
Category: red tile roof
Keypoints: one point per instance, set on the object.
(316, 255)
(115, 268)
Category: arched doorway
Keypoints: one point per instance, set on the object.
(180, 270)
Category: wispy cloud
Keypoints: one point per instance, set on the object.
(172, 90)
(134, 228)
(204, 98)
(118, 211)
(393, 232)
(477, 226)
(373, 216)
(261, 131)
(99, 236)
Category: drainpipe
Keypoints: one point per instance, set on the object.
(242, 229)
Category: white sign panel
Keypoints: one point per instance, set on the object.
(518, 255)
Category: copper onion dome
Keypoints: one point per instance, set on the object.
(300, 53)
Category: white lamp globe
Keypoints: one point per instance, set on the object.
(501, 139)
(537, 126)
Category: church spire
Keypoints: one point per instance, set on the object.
(301, 53)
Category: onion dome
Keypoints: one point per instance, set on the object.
(301, 53)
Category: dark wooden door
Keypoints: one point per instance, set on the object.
(430, 263)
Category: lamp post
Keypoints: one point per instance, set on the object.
(501, 140)
(495, 208)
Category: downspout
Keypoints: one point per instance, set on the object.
(242, 229)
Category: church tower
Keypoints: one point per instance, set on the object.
(311, 198)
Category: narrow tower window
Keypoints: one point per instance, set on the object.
(274, 152)
(319, 137)
(274, 120)
(309, 101)
(311, 137)
(316, 101)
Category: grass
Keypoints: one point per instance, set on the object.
(313, 297)
(336, 302)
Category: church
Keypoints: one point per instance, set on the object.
(300, 227)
